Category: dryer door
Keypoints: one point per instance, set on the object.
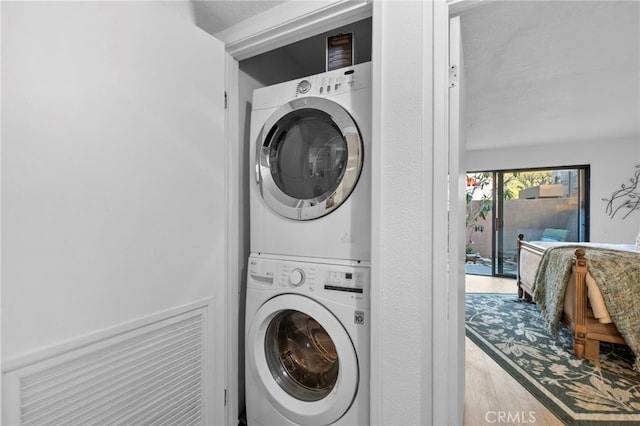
(304, 358)
(309, 157)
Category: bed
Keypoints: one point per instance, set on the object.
(576, 283)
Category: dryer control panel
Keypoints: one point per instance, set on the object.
(319, 278)
(335, 82)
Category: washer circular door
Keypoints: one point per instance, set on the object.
(304, 358)
(309, 157)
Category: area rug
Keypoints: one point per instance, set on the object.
(512, 332)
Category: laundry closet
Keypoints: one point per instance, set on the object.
(310, 157)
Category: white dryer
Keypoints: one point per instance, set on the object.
(310, 165)
(307, 343)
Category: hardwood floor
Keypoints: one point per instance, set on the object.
(492, 396)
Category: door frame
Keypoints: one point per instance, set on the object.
(291, 22)
(277, 27)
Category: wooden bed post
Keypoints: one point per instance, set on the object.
(582, 346)
(518, 249)
(577, 315)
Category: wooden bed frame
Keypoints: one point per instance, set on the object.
(587, 331)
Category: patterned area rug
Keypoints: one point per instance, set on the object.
(512, 332)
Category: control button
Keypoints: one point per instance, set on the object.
(296, 277)
(336, 86)
(304, 86)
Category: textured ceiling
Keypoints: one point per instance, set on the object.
(549, 72)
(538, 72)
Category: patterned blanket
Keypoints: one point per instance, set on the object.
(617, 274)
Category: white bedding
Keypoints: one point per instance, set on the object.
(529, 263)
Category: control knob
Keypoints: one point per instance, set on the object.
(303, 87)
(296, 277)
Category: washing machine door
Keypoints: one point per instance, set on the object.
(304, 358)
(309, 157)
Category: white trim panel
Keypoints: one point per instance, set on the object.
(290, 21)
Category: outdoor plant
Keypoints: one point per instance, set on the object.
(479, 196)
(477, 211)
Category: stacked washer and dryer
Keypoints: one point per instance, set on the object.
(307, 307)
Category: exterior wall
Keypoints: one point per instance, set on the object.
(528, 217)
(112, 187)
(612, 164)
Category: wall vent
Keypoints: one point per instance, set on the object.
(152, 374)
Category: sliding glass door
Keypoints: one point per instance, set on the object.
(542, 204)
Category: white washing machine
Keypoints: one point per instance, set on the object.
(310, 164)
(307, 343)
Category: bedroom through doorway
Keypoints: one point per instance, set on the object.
(548, 204)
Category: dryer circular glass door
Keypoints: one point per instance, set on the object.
(309, 157)
(304, 358)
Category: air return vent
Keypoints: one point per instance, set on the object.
(152, 374)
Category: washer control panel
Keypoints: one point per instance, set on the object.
(344, 281)
(348, 280)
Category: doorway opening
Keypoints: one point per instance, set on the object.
(542, 204)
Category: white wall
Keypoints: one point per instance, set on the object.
(612, 164)
(113, 167)
(414, 379)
